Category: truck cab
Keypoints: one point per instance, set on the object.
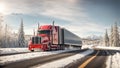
(44, 38)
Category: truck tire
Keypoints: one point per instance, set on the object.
(32, 50)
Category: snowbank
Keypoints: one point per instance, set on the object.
(99, 47)
(13, 50)
(108, 48)
(113, 61)
(63, 62)
(19, 57)
(87, 46)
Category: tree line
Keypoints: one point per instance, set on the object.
(9, 38)
(113, 40)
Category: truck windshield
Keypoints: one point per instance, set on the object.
(44, 32)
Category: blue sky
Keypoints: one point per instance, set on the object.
(82, 17)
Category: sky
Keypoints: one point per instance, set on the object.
(82, 17)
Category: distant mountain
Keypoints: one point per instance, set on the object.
(93, 37)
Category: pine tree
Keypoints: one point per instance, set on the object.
(106, 39)
(111, 36)
(115, 35)
(21, 38)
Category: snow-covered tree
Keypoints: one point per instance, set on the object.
(106, 39)
(1, 29)
(6, 36)
(115, 35)
(9, 38)
(21, 38)
(111, 37)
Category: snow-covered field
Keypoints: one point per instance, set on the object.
(113, 61)
(65, 61)
(13, 50)
(19, 57)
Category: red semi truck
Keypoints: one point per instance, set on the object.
(51, 37)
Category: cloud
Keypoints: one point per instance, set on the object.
(63, 9)
(68, 10)
(86, 29)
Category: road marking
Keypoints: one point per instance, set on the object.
(83, 65)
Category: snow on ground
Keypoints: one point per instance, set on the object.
(19, 57)
(99, 47)
(13, 50)
(87, 46)
(113, 61)
(65, 61)
(108, 48)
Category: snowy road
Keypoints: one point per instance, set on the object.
(99, 59)
(19, 57)
(65, 61)
(37, 60)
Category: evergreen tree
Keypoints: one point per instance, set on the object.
(111, 37)
(106, 39)
(115, 35)
(21, 38)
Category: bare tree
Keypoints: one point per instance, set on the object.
(1, 29)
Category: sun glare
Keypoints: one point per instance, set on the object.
(2, 8)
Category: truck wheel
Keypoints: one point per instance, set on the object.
(32, 50)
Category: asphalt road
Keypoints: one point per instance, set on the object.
(94, 60)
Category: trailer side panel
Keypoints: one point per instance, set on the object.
(70, 38)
